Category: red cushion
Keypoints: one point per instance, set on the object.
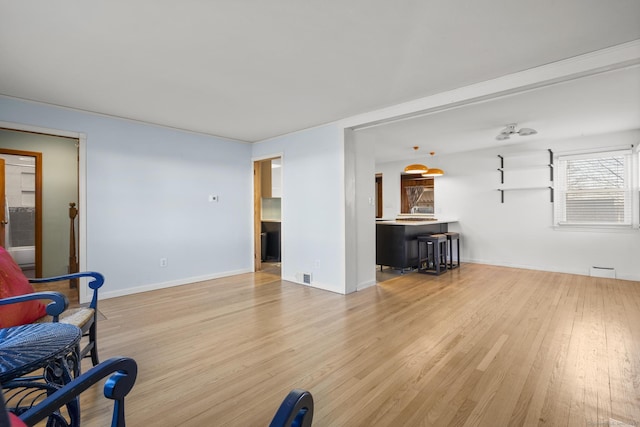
(13, 283)
(15, 421)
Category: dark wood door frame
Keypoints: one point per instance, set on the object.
(379, 210)
(257, 209)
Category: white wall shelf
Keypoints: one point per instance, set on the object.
(502, 169)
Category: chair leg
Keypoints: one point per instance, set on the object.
(93, 338)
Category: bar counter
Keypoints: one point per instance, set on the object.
(396, 244)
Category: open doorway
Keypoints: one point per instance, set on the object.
(41, 184)
(379, 196)
(268, 215)
(21, 204)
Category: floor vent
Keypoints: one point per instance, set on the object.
(608, 272)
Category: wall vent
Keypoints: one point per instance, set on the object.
(306, 278)
(607, 272)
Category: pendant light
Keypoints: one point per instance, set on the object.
(433, 171)
(416, 168)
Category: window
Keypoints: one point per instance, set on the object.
(594, 189)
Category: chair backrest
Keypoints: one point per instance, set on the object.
(296, 410)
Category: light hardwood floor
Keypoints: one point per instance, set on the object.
(478, 346)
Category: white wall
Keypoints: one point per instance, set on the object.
(147, 189)
(312, 204)
(361, 214)
(519, 232)
(391, 202)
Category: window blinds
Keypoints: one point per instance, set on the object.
(594, 189)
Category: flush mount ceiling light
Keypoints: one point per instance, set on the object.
(510, 129)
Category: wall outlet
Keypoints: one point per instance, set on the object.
(163, 262)
(317, 264)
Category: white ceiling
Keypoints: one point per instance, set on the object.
(603, 103)
(253, 69)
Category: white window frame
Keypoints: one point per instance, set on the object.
(631, 190)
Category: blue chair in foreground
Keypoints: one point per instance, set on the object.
(16, 288)
(296, 410)
(118, 385)
(86, 318)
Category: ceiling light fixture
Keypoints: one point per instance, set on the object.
(423, 170)
(510, 129)
(433, 171)
(416, 168)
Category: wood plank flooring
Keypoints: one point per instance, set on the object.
(477, 346)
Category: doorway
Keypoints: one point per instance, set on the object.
(42, 182)
(379, 196)
(22, 207)
(267, 197)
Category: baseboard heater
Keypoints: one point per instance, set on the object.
(607, 272)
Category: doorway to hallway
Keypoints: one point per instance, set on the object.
(268, 215)
(41, 184)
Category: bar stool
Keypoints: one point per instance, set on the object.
(451, 236)
(434, 258)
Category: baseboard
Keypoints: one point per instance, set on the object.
(169, 284)
(365, 285)
(313, 284)
(579, 272)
